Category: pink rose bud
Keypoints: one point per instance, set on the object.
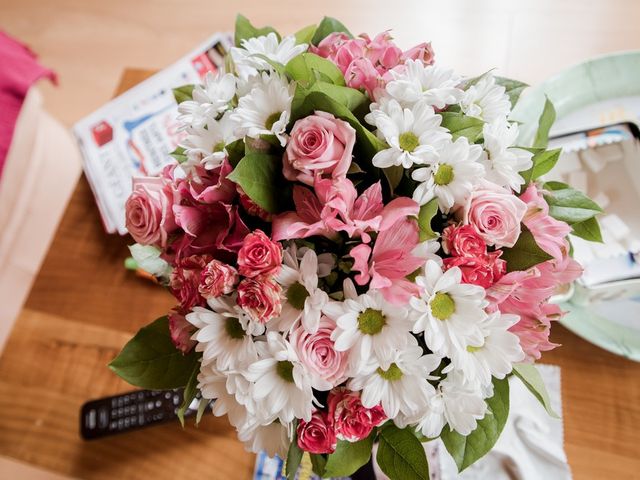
(260, 298)
(217, 279)
(483, 270)
(317, 435)
(184, 282)
(181, 330)
(148, 211)
(320, 144)
(317, 352)
(352, 421)
(495, 212)
(259, 255)
(463, 241)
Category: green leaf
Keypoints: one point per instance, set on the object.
(235, 152)
(461, 125)
(588, 229)
(202, 406)
(303, 68)
(466, 450)
(401, 455)
(569, 205)
(328, 26)
(528, 373)
(525, 253)
(179, 155)
(183, 93)
(394, 176)
(150, 359)
(245, 30)
(277, 67)
(304, 35)
(513, 88)
(189, 394)
(259, 175)
(545, 122)
(318, 463)
(349, 457)
(425, 215)
(294, 457)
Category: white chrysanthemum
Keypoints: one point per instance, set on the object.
(428, 250)
(451, 177)
(213, 385)
(273, 438)
(207, 146)
(247, 58)
(430, 83)
(281, 385)
(494, 356)
(303, 299)
(454, 403)
(220, 334)
(486, 100)
(503, 162)
(399, 383)
(448, 311)
(266, 109)
(413, 134)
(209, 100)
(368, 326)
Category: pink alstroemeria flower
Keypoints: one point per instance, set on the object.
(387, 265)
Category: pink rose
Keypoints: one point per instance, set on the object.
(351, 419)
(217, 279)
(317, 435)
(149, 215)
(316, 351)
(463, 241)
(259, 255)
(260, 298)
(483, 270)
(184, 281)
(495, 212)
(180, 330)
(320, 144)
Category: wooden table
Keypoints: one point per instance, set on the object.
(84, 306)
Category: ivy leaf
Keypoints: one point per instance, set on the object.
(245, 30)
(304, 35)
(189, 394)
(568, 204)
(294, 457)
(513, 88)
(425, 215)
(528, 373)
(183, 93)
(461, 125)
(525, 253)
(401, 455)
(545, 122)
(259, 175)
(349, 457)
(465, 450)
(150, 359)
(328, 26)
(588, 229)
(318, 463)
(179, 155)
(303, 68)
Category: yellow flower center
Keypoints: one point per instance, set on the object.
(442, 306)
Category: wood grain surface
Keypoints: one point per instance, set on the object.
(84, 306)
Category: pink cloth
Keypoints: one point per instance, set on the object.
(18, 71)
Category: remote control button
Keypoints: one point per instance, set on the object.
(141, 419)
(134, 421)
(120, 402)
(176, 399)
(127, 422)
(126, 400)
(113, 425)
(91, 419)
(140, 395)
(126, 410)
(103, 417)
(133, 408)
(114, 402)
(149, 406)
(167, 395)
(158, 403)
(120, 412)
(120, 424)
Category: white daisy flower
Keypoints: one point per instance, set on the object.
(281, 386)
(247, 58)
(274, 438)
(220, 334)
(368, 326)
(206, 146)
(454, 403)
(451, 177)
(209, 100)
(213, 385)
(486, 100)
(503, 162)
(266, 109)
(304, 300)
(433, 84)
(413, 134)
(448, 311)
(494, 356)
(399, 383)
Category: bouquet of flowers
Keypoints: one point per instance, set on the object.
(361, 251)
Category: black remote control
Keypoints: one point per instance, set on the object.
(130, 411)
